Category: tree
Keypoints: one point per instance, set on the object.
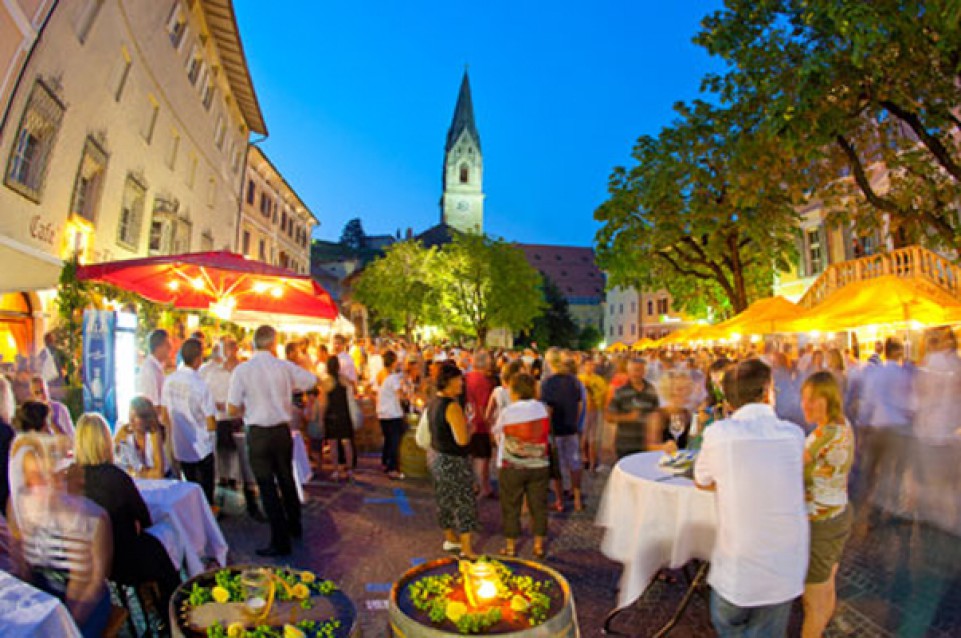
(402, 286)
(849, 87)
(487, 283)
(554, 326)
(589, 338)
(353, 235)
(697, 214)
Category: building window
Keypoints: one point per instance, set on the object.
(30, 155)
(815, 256)
(86, 17)
(620, 309)
(633, 329)
(246, 243)
(192, 170)
(612, 310)
(194, 63)
(464, 173)
(173, 149)
(87, 186)
(211, 192)
(620, 330)
(169, 229)
(220, 132)
(283, 221)
(633, 307)
(262, 252)
(131, 213)
(207, 241)
(663, 306)
(251, 192)
(650, 307)
(235, 160)
(150, 121)
(177, 25)
(208, 91)
(611, 331)
(122, 73)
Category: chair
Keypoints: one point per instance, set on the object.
(145, 596)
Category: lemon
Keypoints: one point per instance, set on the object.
(456, 610)
(236, 630)
(293, 632)
(307, 577)
(300, 591)
(519, 603)
(220, 594)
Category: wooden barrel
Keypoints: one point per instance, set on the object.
(563, 624)
(413, 460)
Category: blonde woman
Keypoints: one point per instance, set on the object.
(829, 453)
(668, 426)
(138, 556)
(65, 538)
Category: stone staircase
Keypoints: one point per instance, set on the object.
(909, 262)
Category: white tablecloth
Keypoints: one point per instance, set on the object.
(183, 522)
(302, 470)
(27, 611)
(653, 520)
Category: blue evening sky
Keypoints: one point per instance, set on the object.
(358, 97)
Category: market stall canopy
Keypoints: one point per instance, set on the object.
(26, 267)
(617, 346)
(887, 300)
(643, 344)
(223, 283)
(765, 316)
(686, 335)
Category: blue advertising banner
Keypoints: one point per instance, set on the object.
(99, 385)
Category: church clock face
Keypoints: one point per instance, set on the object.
(463, 206)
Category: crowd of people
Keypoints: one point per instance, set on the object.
(779, 433)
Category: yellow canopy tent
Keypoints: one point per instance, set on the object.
(685, 335)
(883, 301)
(760, 318)
(643, 344)
(617, 346)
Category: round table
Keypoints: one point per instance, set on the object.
(653, 520)
(27, 611)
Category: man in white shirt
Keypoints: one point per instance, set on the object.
(391, 415)
(49, 361)
(375, 363)
(150, 380)
(261, 390)
(348, 371)
(887, 407)
(188, 410)
(755, 462)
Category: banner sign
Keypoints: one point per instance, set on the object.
(99, 384)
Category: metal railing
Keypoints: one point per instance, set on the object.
(912, 261)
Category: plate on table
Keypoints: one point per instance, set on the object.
(681, 462)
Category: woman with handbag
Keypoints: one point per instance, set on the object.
(338, 426)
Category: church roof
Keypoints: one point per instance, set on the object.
(439, 235)
(463, 116)
(571, 268)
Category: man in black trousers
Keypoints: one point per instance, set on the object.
(261, 390)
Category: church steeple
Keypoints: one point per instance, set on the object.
(462, 204)
(463, 116)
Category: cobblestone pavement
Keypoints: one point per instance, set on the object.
(902, 580)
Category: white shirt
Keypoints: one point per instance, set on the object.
(388, 397)
(348, 370)
(217, 378)
(756, 462)
(188, 402)
(887, 397)
(150, 380)
(939, 399)
(264, 386)
(48, 366)
(375, 363)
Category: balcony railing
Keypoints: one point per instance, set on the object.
(913, 261)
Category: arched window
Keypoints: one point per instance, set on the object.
(464, 173)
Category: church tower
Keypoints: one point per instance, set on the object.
(462, 204)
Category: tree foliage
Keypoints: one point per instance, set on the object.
(554, 326)
(698, 213)
(402, 287)
(849, 88)
(353, 235)
(487, 283)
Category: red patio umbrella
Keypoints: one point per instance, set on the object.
(221, 282)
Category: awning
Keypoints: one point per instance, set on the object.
(26, 268)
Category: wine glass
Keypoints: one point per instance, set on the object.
(256, 584)
(677, 426)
